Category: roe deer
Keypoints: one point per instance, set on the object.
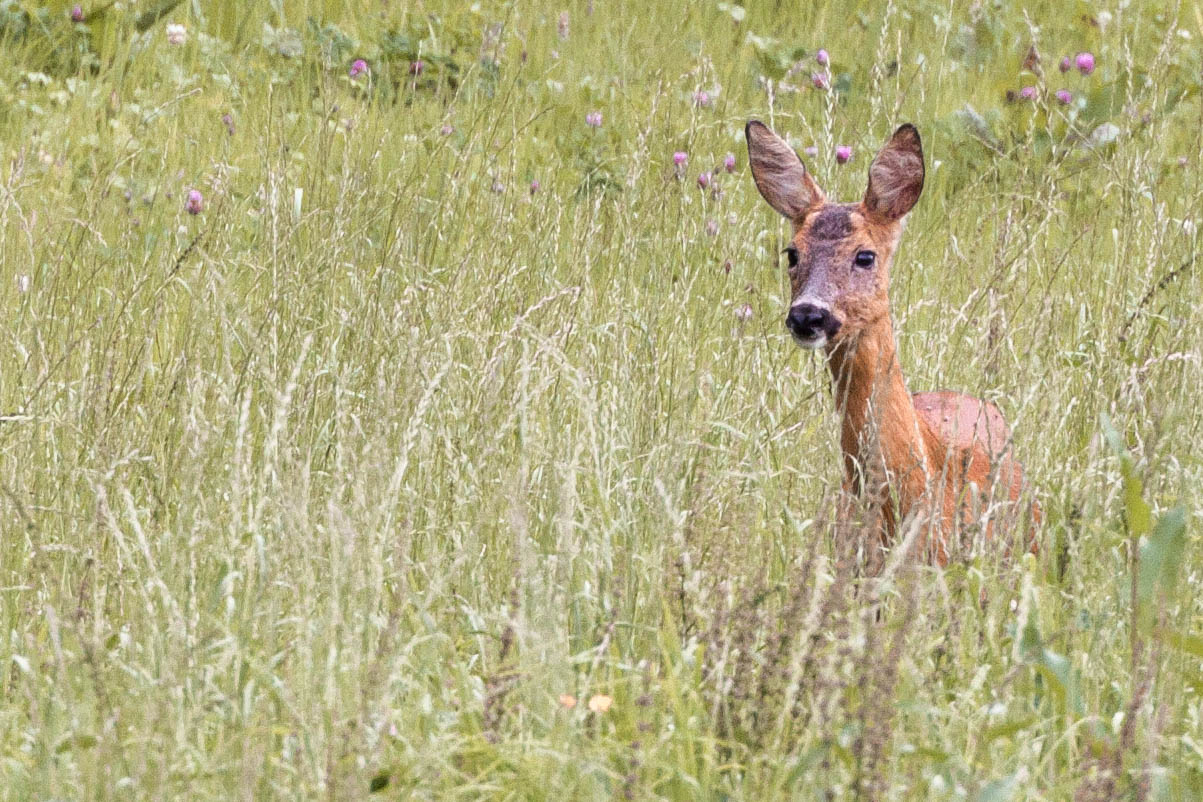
(939, 455)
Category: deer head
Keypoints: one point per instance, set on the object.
(840, 253)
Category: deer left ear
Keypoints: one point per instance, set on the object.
(896, 176)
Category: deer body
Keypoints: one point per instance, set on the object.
(943, 455)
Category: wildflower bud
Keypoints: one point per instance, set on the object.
(593, 119)
(818, 80)
(228, 120)
(77, 13)
(196, 202)
(729, 163)
(1085, 62)
(843, 154)
(358, 67)
(822, 58)
(416, 67)
(703, 180)
(1066, 64)
(534, 186)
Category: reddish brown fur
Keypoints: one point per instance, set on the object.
(944, 455)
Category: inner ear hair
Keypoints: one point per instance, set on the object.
(779, 173)
(896, 175)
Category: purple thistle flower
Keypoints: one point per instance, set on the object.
(702, 99)
(819, 80)
(77, 13)
(822, 58)
(843, 154)
(196, 202)
(593, 119)
(534, 186)
(1066, 64)
(358, 67)
(228, 120)
(811, 150)
(712, 227)
(680, 158)
(1028, 93)
(1085, 62)
(729, 163)
(1065, 96)
(704, 180)
(416, 67)
(447, 130)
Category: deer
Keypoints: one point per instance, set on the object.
(943, 457)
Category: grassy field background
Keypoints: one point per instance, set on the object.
(449, 444)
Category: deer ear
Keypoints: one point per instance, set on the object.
(779, 173)
(896, 176)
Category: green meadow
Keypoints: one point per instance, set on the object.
(385, 413)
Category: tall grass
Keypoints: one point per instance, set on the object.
(391, 473)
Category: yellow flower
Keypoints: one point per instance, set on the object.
(600, 703)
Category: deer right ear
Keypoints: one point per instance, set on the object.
(779, 173)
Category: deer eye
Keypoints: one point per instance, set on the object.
(791, 253)
(864, 259)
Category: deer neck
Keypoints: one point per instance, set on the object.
(885, 443)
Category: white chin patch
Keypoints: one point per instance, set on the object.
(818, 341)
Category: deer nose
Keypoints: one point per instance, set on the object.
(808, 321)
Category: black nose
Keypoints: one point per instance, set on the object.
(808, 321)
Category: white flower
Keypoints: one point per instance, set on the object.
(176, 34)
